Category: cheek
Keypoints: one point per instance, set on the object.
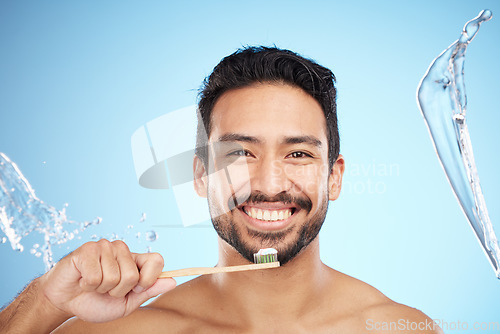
(218, 187)
(226, 183)
(312, 180)
(237, 177)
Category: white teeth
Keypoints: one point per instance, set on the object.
(274, 215)
(268, 215)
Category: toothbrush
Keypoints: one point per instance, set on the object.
(264, 259)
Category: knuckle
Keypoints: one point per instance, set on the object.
(156, 259)
(120, 245)
(87, 247)
(130, 277)
(112, 280)
(92, 279)
(103, 243)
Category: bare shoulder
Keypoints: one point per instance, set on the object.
(392, 317)
(379, 314)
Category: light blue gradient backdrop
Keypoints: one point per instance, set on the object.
(77, 78)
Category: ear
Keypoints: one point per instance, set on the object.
(200, 177)
(335, 178)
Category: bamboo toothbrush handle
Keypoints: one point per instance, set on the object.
(214, 270)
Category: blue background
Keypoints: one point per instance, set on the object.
(78, 78)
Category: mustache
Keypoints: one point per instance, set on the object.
(259, 197)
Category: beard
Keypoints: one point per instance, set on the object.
(307, 232)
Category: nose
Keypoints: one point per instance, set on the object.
(270, 177)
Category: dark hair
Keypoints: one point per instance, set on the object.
(261, 64)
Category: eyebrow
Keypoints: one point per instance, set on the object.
(239, 137)
(309, 140)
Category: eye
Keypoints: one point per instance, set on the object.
(240, 153)
(299, 155)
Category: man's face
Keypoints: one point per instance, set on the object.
(275, 192)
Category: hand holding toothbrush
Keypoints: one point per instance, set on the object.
(103, 281)
(99, 282)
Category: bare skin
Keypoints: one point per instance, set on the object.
(302, 296)
(313, 299)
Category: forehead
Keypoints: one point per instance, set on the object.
(268, 111)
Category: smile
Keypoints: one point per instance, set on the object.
(268, 215)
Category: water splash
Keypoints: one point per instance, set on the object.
(442, 101)
(151, 235)
(22, 213)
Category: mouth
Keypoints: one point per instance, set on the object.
(269, 216)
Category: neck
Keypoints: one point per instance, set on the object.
(287, 292)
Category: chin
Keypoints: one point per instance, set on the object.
(237, 229)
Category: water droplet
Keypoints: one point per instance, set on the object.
(148, 249)
(115, 236)
(32, 251)
(138, 235)
(459, 118)
(12, 190)
(44, 162)
(93, 237)
(143, 218)
(4, 240)
(38, 254)
(35, 246)
(130, 226)
(151, 235)
(445, 81)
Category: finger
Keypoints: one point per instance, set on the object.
(86, 261)
(161, 285)
(109, 267)
(150, 266)
(129, 273)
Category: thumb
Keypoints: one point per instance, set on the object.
(161, 285)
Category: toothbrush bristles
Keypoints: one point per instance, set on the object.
(266, 255)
